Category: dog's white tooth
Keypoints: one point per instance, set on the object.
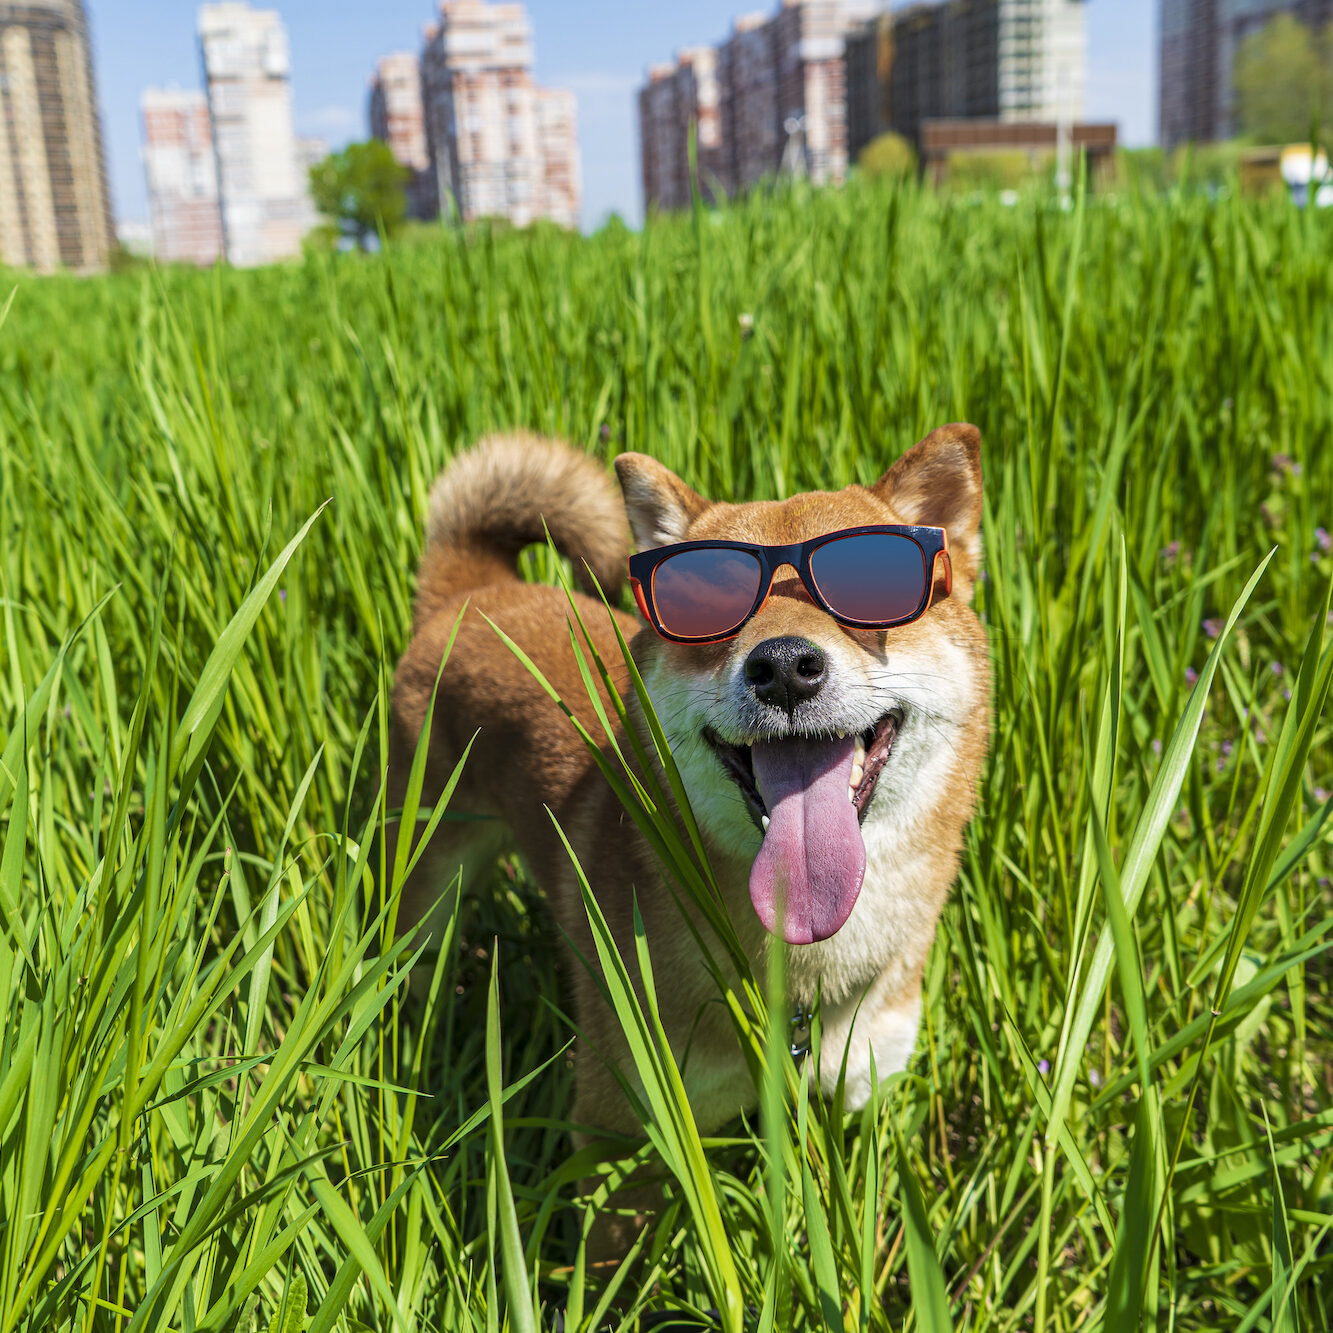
(763, 819)
(858, 772)
(859, 752)
(851, 795)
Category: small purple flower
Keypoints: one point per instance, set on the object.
(1286, 694)
(1170, 551)
(1276, 668)
(1094, 1078)
(1321, 794)
(1282, 463)
(604, 433)
(1156, 746)
(1043, 1066)
(1190, 675)
(282, 594)
(1323, 540)
(1226, 748)
(1260, 736)
(1212, 628)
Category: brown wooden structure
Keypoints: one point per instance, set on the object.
(942, 139)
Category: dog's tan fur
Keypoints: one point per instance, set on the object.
(491, 502)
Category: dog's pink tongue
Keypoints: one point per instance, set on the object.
(813, 860)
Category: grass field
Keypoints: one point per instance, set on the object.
(212, 1112)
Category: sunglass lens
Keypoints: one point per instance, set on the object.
(875, 576)
(705, 593)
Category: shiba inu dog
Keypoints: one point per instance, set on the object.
(824, 686)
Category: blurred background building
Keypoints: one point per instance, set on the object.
(869, 47)
(1006, 60)
(499, 145)
(182, 176)
(771, 97)
(54, 209)
(398, 118)
(805, 89)
(1199, 41)
(262, 183)
(675, 97)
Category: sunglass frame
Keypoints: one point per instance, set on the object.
(933, 543)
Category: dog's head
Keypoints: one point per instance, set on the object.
(801, 741)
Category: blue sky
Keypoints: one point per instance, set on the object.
(599, 48)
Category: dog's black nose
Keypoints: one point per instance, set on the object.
(784, 671)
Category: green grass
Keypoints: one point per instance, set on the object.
(212, 1112)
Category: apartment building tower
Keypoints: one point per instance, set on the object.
(752, 122)
(1007, 60)
(561, 195)
(398, 118)
(1197, 45)
(54, 206)
(674, 98)
(771, 98)
(262, 184)
(182, 173)
(869, 81)
(499, 145)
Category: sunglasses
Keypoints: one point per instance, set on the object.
(865, 578)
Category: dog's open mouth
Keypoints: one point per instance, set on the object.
(808, 795)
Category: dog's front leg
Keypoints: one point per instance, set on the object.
(882, 1027)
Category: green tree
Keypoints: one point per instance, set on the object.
(887, 154)
(361, 190)
(1283, 79)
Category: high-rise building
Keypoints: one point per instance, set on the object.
(809, 38)
(182, 176)
(752, 122)
(869, 81)
(398, 118)
(498, 146)
(54, 208)
(674, 98)
(561, 194)
(770, 98)
(1007, 60)
(266, 207)
(1198, 41)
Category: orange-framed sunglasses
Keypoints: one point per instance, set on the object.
(865, 578)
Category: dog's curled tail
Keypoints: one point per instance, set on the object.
(492, 501)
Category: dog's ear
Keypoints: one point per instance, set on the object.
(660, 506)
(937, 484)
